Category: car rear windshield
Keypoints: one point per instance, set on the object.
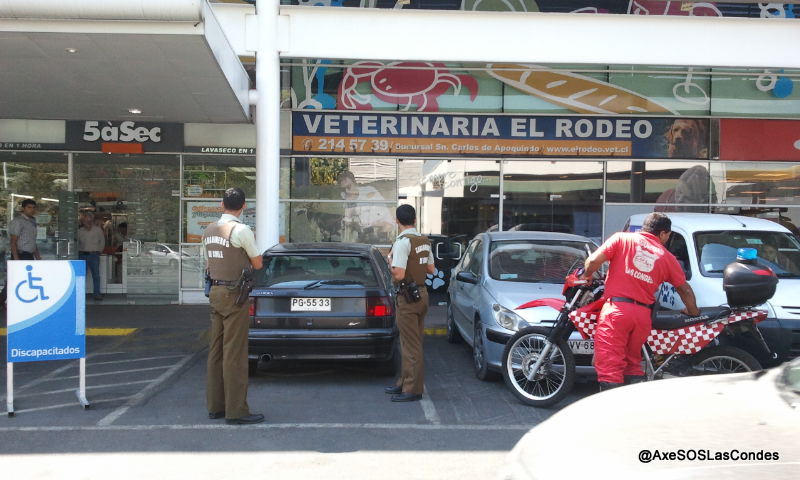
(317, 271)
(778, 250)
(539, 261)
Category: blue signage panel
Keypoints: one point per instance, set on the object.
(411, 134)
(46, 310)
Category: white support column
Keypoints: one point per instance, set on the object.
(10, 389)
(81, 392)
(267, 125)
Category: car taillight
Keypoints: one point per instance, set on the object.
(252, 310)
(379, 306)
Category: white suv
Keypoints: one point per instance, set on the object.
(704, 243)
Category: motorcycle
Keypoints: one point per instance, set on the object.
(539, 366)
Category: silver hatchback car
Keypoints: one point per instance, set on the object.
(501, 271)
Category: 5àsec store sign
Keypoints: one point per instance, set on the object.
(124, 137)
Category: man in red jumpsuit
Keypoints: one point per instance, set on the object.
(639, 264)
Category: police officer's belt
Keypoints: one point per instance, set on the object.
(630, 300)
(224, 282)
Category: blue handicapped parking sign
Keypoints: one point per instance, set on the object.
(46, 313)
(31, 287)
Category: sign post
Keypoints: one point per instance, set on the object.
(46, 317)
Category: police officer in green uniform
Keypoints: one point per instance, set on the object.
(411, 260)
(229, 248)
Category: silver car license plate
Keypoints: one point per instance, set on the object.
(310, 305)
(581, 347)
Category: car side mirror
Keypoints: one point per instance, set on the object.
(467, 277)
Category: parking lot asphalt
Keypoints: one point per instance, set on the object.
(324, 420)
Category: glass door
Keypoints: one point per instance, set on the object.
(135, 200)
(455, 200)
(553, 196)
(43, 178)
(66, 243)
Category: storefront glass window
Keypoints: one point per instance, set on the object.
(208, 176)
(453, 198)
(757, 183)
(356, 179)
(341, 199)
(558, 196)
(676, 185)
(192, 266)
(135, 199)
(42, 177)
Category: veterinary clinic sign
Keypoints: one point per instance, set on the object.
(410, 134)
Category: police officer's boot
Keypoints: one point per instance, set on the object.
(631, 379)
(608, 385)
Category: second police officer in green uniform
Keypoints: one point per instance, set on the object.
(411, 260)
(230, 249)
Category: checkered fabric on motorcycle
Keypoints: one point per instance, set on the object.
(690, 340)
(585, 322)
(685, 341)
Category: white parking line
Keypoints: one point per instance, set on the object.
(58, 371)
(117, 372)
(92, 387)
(142, 395)
(47, 377)
(129, 360)
(273, 426)
(71, 404)
(429, 409)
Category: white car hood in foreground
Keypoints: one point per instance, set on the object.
(603, 435)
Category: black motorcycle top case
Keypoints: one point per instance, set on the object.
(748, 284)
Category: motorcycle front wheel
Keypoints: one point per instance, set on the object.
(724, 359)
(554, 378)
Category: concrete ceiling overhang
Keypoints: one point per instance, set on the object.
(170, 60)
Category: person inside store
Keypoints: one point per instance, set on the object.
(230, 252)
(22, 237)
(91, 241)
(639, 263)
(411, 260)
(370, 222)
(118, 239)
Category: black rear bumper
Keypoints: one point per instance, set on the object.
(372, 344)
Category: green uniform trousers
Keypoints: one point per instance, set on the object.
(226, 386)
(411, 323)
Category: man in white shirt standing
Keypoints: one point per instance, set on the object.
(22, 230)
(91, 241)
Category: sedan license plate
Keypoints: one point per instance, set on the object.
(581, 347)
(311, 305)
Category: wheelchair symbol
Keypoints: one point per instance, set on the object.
(39, 295)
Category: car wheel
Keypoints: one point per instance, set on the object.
(452, 331)
(480, 362)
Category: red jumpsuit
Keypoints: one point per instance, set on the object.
(638, 265)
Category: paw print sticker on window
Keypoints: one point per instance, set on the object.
(436, 280)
